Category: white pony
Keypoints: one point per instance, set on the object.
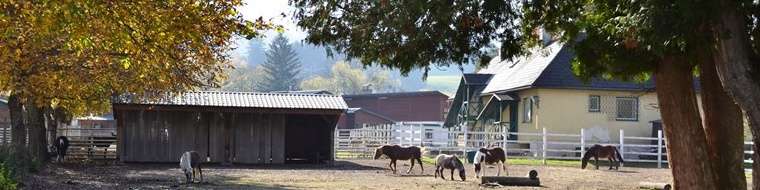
(189, 163)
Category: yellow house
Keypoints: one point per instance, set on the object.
(540, 91)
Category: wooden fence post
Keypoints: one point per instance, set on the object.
(543, 152)
(659, 148)
(504, 136)
(622, 145)
(583, 143)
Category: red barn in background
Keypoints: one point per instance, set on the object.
(387, 108)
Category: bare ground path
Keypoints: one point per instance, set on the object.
(343, 174)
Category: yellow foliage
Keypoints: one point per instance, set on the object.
(77, 54)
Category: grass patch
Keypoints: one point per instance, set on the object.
(446, 84)
(526, 161)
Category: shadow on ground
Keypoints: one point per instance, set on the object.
(111, 175)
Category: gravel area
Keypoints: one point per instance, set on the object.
(342, 174)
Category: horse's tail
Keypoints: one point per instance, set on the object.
(618, 154)
(423, 152)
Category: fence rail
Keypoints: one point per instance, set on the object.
(361, 143)
(83, 143)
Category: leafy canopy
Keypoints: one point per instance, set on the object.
(411, 35)
(77, 54)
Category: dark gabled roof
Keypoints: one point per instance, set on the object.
(476, 78)
(548, 68)
(377, 115)
(469, 86)
(394, 94)
(242, 99)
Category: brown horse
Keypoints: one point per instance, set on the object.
(395, 152)
(492, 155)
(604, 151)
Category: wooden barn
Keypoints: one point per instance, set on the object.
(228, 127)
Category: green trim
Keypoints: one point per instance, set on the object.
(513, 108)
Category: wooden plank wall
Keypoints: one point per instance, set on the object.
(278, 139)
(161, 137)
(259, 139)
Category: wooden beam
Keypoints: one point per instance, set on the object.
(531, 180)
(652, 185)
(510, 181)
(307, 111)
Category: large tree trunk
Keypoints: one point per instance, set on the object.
(724, 124)
(738, 67)
(36, 124)
(687, 146)
(18, 135)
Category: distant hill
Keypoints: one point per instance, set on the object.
(314, 61)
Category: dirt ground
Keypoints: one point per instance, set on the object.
(343, 174)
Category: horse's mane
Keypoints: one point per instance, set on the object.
(458, 163)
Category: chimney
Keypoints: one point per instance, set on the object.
(545, 37)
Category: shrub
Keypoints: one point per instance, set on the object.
(7, 179)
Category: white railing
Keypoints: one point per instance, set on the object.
(362, 142)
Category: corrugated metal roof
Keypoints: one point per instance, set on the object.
(244, 99)
(395, 94)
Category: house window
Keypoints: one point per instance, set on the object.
(627, 109)
(593, 103)
(527, 109)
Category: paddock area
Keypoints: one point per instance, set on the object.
(343, 174)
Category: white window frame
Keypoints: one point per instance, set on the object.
(527, 110)
(594, 100)
(634, 102)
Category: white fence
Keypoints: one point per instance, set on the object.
(361, 143)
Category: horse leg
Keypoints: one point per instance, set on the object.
(612, 161)
(200, 173)
(410, 168)
(452, 174)
(504, 167)
(391, 164)
(422, 169)
(596, 159)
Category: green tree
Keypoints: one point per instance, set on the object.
(282, 67)
(77, 54)
(626, 40)
(344, 79)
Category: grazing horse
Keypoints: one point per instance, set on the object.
(395, 152)
(190, 162)
(604, 151)
(492, 155)
(100, 142)
(59, 148)
(445, 161)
